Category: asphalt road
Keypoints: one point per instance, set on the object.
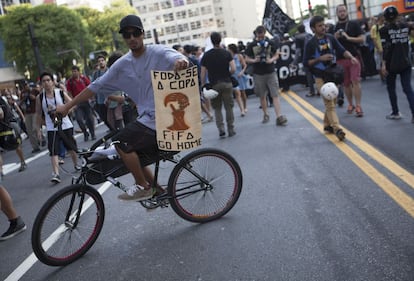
(312, 208)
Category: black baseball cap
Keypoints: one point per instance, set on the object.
(130, 21)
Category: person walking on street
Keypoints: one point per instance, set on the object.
(46, 104)
(263, 54)
(100, 105)
(83, 111)
(239, 75)
(376, 39)
(350, 35)
(28, 106)
(131, 74)
(218, 64)
(320, 52)
(396, 60)
(7, 122)
(17, 225)
(300, 41)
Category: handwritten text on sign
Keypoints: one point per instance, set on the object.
(177, 109)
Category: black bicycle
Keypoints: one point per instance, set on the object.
(203, 186)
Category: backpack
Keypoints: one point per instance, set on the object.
(8, 115)
(62, 95)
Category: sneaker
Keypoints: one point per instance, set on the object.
(23, 167)
(393, 116)
(232, 133)
(61, 161)
(136, 193)
(35, 150)
(222, 134)
(16, 227)
(281, 121)
(328, 129)
(55, 179)
(265, 118)
(340, 134)
(78, 168)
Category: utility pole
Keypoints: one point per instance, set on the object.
(35, 46)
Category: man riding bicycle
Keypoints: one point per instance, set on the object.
(132, 75)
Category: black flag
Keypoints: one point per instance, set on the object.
(275, 20)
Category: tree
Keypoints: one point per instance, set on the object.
(57, 30)
(62, 34)
(320, 10)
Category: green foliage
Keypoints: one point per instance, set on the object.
(62, 35)
(320, 10)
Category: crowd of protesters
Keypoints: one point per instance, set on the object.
(365, 50)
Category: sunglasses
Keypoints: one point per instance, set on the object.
(136, 33)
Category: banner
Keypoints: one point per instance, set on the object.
(177, 109)
(275, 20)
(288, 73)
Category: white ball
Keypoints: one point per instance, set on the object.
(210, 94)
(329, 91)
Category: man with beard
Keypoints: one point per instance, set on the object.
(131, 74)
(350, 35)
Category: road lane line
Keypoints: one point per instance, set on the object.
(32, 259)
(393, 191)
(371, 151)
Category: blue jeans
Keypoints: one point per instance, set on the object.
(405, 77)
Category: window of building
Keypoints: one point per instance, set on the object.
(168, 17)
(206, 10)
(193, 12)
(195, 25)
(183, 27)
(178, 3)
(181, 14)
(208, 22)
(24, 1)
(220, 23)
(148, 34)
(166, 4)
(142, 9)
(192, 1)
(153, 7)
(157, 20)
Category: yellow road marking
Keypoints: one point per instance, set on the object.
(388, 163)
(399, 196)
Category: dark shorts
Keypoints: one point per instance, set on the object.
(54, 138)
(137, 137)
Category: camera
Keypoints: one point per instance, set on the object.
(341, 32)
(56, 118)
(262, 57)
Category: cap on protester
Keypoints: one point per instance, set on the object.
(130, 21)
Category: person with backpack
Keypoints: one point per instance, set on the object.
(320, 53)
(46, 104)
(10, 132)
(83, 112)
(300, 41)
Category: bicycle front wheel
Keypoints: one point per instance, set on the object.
(205, 185)
(67, 225)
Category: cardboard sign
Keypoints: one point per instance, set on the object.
(177, 109)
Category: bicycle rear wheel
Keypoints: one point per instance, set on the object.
(67, 225)
(205, 185)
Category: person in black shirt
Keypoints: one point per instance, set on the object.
(219, 65)
(350, 35)
(396, 60)
(262, 54)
